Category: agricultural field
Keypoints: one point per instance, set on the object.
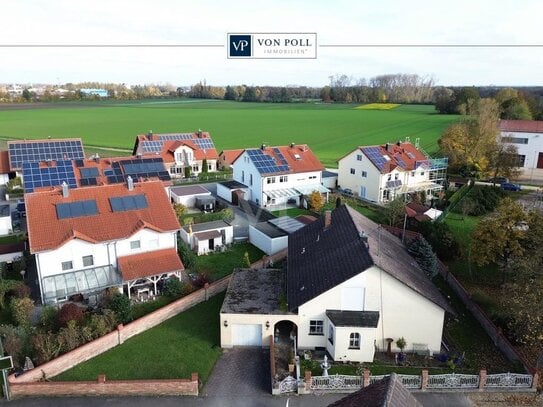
(331, 130)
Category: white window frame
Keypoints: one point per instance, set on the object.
(353, 171)
(69, 262)
(365, 174)
(135, 244)
(84, 258)
(316, 327)
(354, 340)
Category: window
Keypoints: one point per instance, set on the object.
(242, 176)
(516, 140)
(352, 171)
(331, 334)
(312, 177)
(521, 159)
(283, 178)
(422, 174)
(195, 168)
(135, 244)
(88, 261)
(250, 179)
(359, 157)
(210, 167)
(67, 265)
(354, 340)
(316, 327)
(396, 176)
(412, 173)
(270, 180)
(364, 174)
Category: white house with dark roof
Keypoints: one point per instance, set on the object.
(527, 136)
(207, 237)
(278, 175)
(349, 286)
(381, 173)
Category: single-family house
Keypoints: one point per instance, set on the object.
(193, 196)
(527, 136)
(5, 220)
(89, 239)
(184, 154)
(232, 191)
(279, 175)
(207, 237)
(271, 236)
(350, 287)
(384, 172)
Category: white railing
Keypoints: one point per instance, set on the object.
(336, 383)
(410, 381)
(374, 379)
(453, 381)
(509, 380)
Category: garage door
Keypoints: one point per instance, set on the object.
(247, 335)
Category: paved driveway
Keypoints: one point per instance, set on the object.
(240, 372)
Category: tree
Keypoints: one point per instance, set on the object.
(205, 169)
(21, 308)
(120, 304)
(512, 104)
(316, 201)
(394, 210)
(69, 312)
(27, 95)
(179, 210)
(498, 238)
(421, 250)
(440, 238)
(444, 100)
(504, 162)
(230, 93)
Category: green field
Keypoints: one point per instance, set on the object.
(330, 130)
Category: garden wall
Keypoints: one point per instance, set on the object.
(267, 261)
(117, 337)
(102, 387)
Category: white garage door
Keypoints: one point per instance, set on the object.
(247, 335)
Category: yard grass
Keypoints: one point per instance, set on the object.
(184, 344)
(11, 239)
(219, 265)
(331, 130)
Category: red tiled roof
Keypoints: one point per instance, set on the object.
(4, 162)
(522, 126)
(47, 232)
(402, 154)
(299, 158)
(149, 264)
(169, 147)
(229, 156)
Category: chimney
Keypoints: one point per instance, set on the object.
(199, 133)
(150, 135)
(130, 183)
(327, 219)
(387, 146)
(65, 190)
(263, 147)
(96, 158)
(292, 145)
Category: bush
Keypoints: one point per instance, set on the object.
(13, 340)
(201, 279)
(70, 336)
(21, 309)
(46, 346)
(48, 318)
(120, 304)
(173, 287)
(21, 291)
(440, 238)
(421, 250)
(69, 312)
(188, 257)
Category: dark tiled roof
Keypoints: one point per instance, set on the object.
(362, 319)
(269, 230)
(233, 184)
(329, 174)
(388, 392)
(203, 227)
(254, 292)
(320, 259)
(210, 234)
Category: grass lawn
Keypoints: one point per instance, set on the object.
(11, 239)
(186, 343)
(331, 130)
(218, 265)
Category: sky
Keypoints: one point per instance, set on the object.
(203, 22)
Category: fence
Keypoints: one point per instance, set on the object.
(117, 337)
(424, 381)
(455, 199)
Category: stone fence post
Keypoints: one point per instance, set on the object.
(307, 380)
(424, 379)
(482, 379)
(366, 378)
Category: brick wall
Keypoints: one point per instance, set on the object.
(102, 387)
(100, 345)
(267, 261)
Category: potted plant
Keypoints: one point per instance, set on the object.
(400, 357)
(291, 362)
(307, 354)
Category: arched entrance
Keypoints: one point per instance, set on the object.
(285, 344)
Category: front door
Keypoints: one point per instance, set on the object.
(211, 244)
(362, 191)
(540, 161)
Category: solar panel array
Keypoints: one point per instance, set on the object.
(155, 146)
(128, 203)
(144, 168)
(400, 162)
(280, 156)
(286, 223)
(77, 209)
(36, 177)
(375, 156)
(264, 163)
(37, 151)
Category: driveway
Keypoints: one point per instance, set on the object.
(241, 372)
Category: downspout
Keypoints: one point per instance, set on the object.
(39, 277)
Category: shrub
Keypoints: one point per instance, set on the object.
(21, 291)
(173, 287)
(5, 287)
(70, 336)
(46, 346)
(69, 312)
(21, 309)
(120, 304)
(201, 279)
(48, 318)
(188, 257)
(13, 341)
(401, 343)
(440, 238)
(421, 250)
(101, 324)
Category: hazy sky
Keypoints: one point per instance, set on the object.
(207, 22)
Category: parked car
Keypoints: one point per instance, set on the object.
(508, 186)
(498, 180)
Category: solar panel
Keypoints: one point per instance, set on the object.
(76, 209)
(108, 172)
(51, 176)
(128, 203)
(375, 156)
(38, 151)
(155, 146)
(400, 162)
(79, 163)
(144, 168)
(264, 163)
(89, 172)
